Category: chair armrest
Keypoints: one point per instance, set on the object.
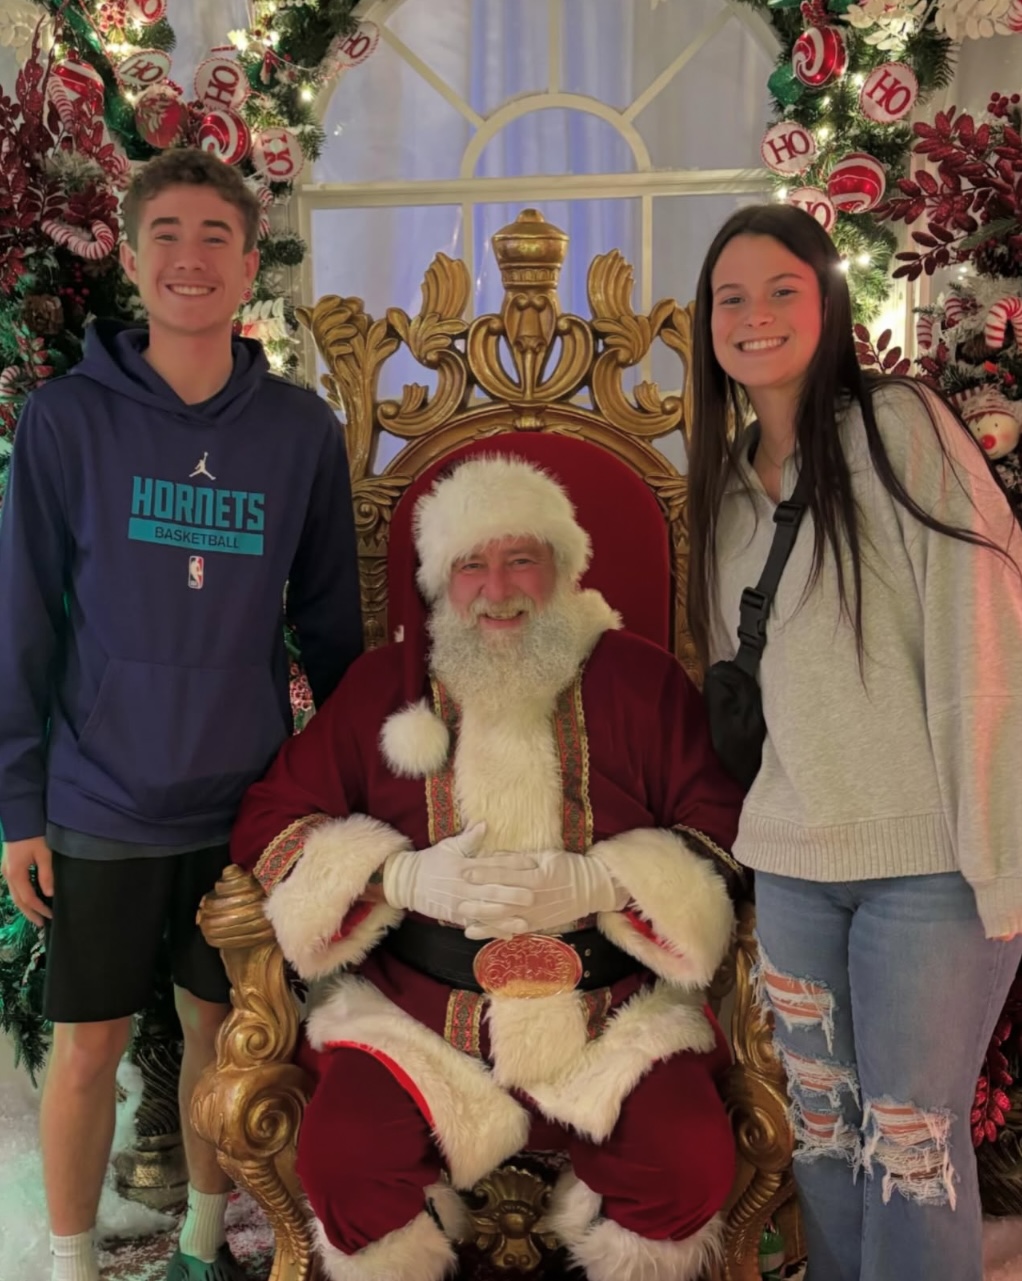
(249, 1103)
(757, 1100)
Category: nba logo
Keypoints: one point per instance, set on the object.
(195, 571)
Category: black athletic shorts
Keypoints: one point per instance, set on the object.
(110, 919)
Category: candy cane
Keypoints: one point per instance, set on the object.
(93, 244)
(925, 326)
(1007, 312)
(9, 379)
(954, 309)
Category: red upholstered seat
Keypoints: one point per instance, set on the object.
(631, 564)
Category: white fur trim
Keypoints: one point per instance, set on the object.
(307, 907)
(450, 1208)
(415, 741)
(656, 1023)
(682, 896)
(608, 1252)
(476, 1124)
(535, 1039)
(486, 499)
(417, 1252)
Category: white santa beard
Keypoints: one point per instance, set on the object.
(506, 768)
(499, 670)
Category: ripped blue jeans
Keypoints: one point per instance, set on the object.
(885, 994)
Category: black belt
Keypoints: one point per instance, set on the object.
(444, 953)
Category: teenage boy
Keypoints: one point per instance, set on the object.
(162, 497)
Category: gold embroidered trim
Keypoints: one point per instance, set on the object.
(596, 1005)
(713, 848)
(573, 750)
(441, 804)
(285, 850)
(461, 1027)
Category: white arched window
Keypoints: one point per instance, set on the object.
(631, 124)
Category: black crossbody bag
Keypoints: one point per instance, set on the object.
(734, 701)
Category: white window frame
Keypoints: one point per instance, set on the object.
(466, 191)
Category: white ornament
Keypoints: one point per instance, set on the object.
(221, 83)
(887, 24)
(889, 93)
(143, 69)
(816, 203)
(18, 21)
(277, 155)
(788, 148)
(977, 19)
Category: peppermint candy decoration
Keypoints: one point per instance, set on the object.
(92, 244)
(857, 183)
(1005, 314)
(73, 82)
(819, 56)
(161, 116)
(1013, 18)
(925, 328)
(277, 155)
(225, 135)
(889, 93)
(350, 50)
(816, 203)
(143, 69)
(787, 148)
(220, 83)
(145, 12)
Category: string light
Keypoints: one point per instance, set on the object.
(844, 264)
(306, 94)
(864, 260)
(823, 133)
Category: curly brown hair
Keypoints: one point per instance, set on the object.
(190, 167)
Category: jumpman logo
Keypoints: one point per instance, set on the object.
(201, 469)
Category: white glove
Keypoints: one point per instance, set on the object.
(432, 881)
(563, 888)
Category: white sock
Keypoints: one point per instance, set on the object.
(74, 1258)
(203, 1232)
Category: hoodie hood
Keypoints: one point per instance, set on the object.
(115, 357)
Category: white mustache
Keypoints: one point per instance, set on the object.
(505, 609)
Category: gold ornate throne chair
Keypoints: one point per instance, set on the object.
(529, 369)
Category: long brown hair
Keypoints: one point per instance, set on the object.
(833, 383)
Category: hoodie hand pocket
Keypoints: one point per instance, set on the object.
(177, 741)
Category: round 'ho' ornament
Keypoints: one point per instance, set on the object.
(220, 83)
(225, 135)
(143, 69)
(145, 12)
(888, 93)
(819, 56)
(788, 148)
(816, 202)
(857, 183)
(277, 155)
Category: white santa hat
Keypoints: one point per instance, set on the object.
(484, 499)
(489, 498)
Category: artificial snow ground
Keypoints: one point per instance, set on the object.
(136, 1242)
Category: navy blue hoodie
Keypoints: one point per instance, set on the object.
(144, 550)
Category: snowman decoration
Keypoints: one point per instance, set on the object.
(995, 421)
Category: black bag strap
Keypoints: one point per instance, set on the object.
(756, 601)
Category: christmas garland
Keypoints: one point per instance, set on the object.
(847, 77)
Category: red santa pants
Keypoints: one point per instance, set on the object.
(365, 1152)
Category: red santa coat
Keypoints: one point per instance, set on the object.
(623, 769)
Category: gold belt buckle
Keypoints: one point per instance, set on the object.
(527, 965)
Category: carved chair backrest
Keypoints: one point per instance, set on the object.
(527, 371)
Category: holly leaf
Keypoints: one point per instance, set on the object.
(862, 333)
(883, 340)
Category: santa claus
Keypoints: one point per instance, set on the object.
(516, 885)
